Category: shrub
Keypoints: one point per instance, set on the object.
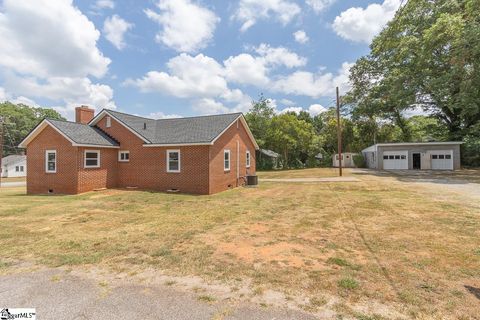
(359, 161)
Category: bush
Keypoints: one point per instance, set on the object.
(471, 151)
(359, 161)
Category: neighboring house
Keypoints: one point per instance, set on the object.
(409, 156)
(347, 160)
(198, 155)
(14, 166)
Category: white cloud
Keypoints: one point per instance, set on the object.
(68, 40)
(114, 29)
(362, 25)
(250, 11)
(209, 106)
(292, 109)
(320, 5)
(300, 36)
(287, 102)
(161, 115)
(246, 69)
(104, 4)
(316, 109)
(188, 77)
(279, 56)
(313, 84)
(186, 26)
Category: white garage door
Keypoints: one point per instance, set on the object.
(395, 160)
(442, 159)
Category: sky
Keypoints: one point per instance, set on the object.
(175, 58)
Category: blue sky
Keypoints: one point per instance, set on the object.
(164, 58)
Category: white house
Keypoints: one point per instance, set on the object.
(14, 166)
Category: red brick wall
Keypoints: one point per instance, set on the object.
(147, 168)
(65, 180)
(221, 179)
(201, 170)
(97, 178)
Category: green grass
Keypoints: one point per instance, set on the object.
(348, 283)
(206, 298)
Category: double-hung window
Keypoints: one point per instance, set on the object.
(173, 160)
(248, 159)
(51, 161)
(92, 159)
(226, 160)
(124, 156)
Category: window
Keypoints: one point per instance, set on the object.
(385, 157)
(248, 159)
(51, 161)
(226, 160)
(124, 156)
(448, 156)
(17, 169)
(397, 157)
(109, 122)
(173, 160)
(92, 159)
(391, 157)
(441, 156)
(434, 156)
(404, 157)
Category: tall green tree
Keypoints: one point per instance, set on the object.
(19, 120)
(429, 57)
(259, 118)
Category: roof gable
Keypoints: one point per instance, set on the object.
(76, 133)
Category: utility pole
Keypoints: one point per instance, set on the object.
(1, 148)
(339, 135)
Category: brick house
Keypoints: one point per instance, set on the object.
(198, 155)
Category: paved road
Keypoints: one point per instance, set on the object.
(57, 294)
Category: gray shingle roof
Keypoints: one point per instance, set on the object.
(83, 133)
(203, 129)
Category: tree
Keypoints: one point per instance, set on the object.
(295, 139)
(259, 118)
(429, 57)
(19, 121)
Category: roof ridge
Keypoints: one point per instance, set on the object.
(191, 117)
(67, 121)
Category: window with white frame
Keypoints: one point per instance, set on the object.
(124, 156)
(109, 122)
(248, 159)
(92, 159)
(51, 161)
(173, 160)
(226, 160)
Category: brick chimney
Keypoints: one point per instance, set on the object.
(84, 114)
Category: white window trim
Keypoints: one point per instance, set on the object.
(108, 121)
(85, 159)
(248, 159)
(226, 151)
(46, 161)
(179, 160)
(120, 157)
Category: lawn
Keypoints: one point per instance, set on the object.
(374, 249)
(14, 179)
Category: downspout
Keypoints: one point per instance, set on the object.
(238, 162)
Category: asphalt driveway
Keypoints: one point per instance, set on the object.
(58, 294)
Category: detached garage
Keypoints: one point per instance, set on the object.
(413, 156)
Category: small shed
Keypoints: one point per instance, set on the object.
(347, 160)
(267, 159)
